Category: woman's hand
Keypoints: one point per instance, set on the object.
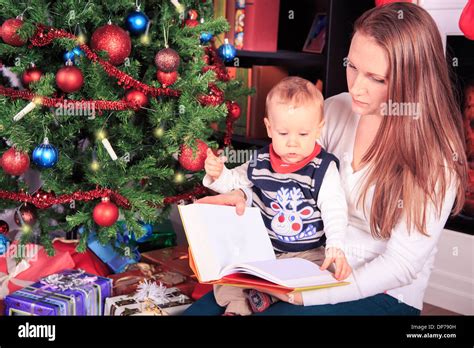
(235, 198)
(336, 255)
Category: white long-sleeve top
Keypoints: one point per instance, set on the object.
(331, 199)
(399, 266)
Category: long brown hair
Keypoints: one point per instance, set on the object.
(411, 158)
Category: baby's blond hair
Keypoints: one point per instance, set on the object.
(296, 91)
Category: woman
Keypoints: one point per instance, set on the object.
(403, 167)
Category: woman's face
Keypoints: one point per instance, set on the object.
(367, 75)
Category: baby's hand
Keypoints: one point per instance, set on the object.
(336, 255)
(214, 165)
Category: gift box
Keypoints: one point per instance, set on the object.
(150, 299)
(174, 259)
(86, 261)
(162, 236)
(34, 265)
(127, 282)
(110, 255)
(70, 292)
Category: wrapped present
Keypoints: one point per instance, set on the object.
(174, 259)
(159, 236)
(70, 292)
(150, 299)
(34, 265)
(86, 261)
(127, 282)
(110, 254)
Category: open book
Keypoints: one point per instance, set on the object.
(229, 249)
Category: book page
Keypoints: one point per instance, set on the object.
(218, 237)
(292, 272)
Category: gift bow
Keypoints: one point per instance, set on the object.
(63, 282)
(13, 270)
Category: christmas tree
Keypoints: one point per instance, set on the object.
(115, 112)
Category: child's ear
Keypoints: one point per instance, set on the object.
(269, 127)
(320, 128)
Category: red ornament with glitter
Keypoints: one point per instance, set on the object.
(114, 40)
(69, 79)
(234, 110)
(193, 160)
(167, 60)
(166, 79)
(137, 98)
(105, 213)
(30, 75)
(15, 162)
(9, 32)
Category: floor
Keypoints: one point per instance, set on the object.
(429, 309)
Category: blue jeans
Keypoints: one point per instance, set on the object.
(380, 304)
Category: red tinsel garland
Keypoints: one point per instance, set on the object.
(47, 200)
(82, 104)
(45, 35)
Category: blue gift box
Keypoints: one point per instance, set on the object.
(109, 255)
(70, 292)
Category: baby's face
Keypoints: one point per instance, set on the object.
(293, 130)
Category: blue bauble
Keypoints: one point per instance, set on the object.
(77, 51)
(227, 52)
(68, 55)
(206, 37)
(45, 155)
(71, 55)
(4, 243)
(136, 22)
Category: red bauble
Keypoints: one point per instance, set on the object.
(69, 79)
(234, 110)
(191, 23)
(193, 161)
(4, 228)
(137, 97)
(105, 213)
(114, 40)
(167, 60)
(8, 32)
(15, 162)
(166, 79)
(466, 21)
(27, 213)
(31, 75)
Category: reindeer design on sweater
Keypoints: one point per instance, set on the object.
(288, 220)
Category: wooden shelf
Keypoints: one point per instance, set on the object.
(280, 57)
(241, 140)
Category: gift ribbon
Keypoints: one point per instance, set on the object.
(73, 281)
(13, 270)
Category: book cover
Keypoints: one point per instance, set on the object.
(263, 80)
(220, 11)
(261, 25)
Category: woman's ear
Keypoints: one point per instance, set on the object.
(269, 127)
